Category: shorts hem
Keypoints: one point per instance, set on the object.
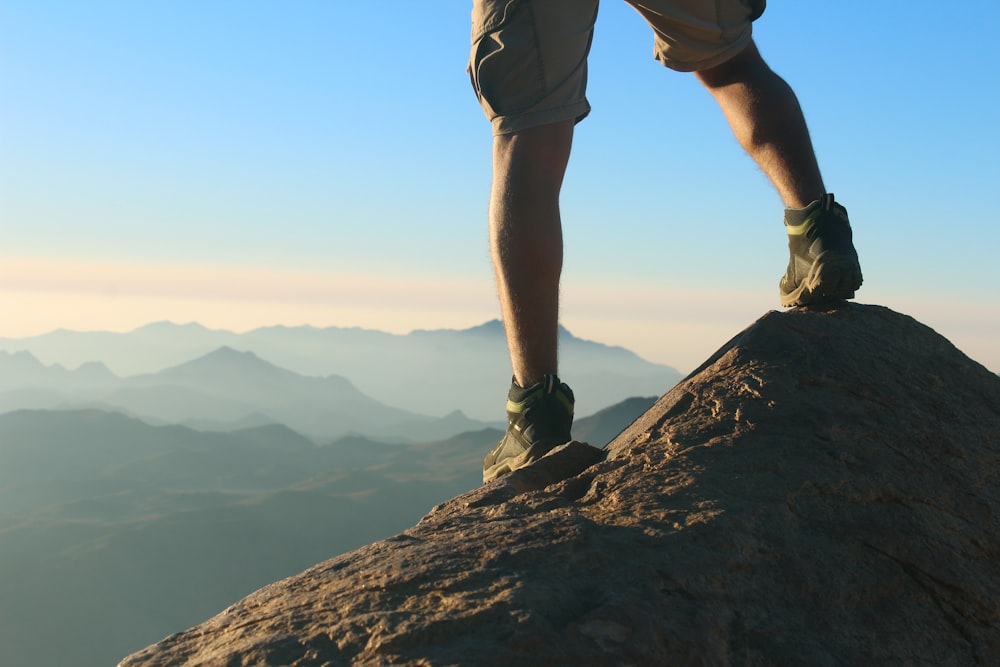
(716, 58)
(517, 122)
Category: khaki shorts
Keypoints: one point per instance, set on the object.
(529, 57)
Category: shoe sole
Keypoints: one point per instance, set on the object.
(508, 465)
(829, 278)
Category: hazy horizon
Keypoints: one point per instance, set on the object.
(977, 342)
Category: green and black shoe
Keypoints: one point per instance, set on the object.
(539, 419)
(824, 264)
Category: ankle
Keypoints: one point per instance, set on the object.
(797, 216)
(529, 381)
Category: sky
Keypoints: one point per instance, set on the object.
(249, 163)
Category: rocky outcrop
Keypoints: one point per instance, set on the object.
(822, 491)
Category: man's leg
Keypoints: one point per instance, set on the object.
(766, 118)
(528, 66)
(526, 243)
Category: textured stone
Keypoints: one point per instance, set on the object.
(823, 491)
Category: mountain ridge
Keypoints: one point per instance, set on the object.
(227, 386)
(429, 372)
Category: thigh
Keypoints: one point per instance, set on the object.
(697, 34)
(529, 60)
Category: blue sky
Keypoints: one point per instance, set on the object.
(252, 163)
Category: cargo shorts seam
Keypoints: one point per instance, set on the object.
(537, 44)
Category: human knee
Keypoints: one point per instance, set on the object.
(745, 65)
(545, 148)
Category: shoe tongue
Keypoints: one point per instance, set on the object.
(797, 216)
(547, 384)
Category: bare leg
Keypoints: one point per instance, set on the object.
(526, 243)
(766, 118)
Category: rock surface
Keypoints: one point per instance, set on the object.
(823, 491)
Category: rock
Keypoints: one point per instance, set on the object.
(823, 491)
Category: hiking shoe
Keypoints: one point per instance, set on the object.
(539, 419)
(823, 264)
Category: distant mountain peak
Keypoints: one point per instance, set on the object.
(167, 325)
(23, 368)
(20, 355)
(230, 369)
(226, 357)
(227, 352)
(22, 360)
(491, 328)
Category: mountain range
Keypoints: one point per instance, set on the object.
(426, 373)
(223, 390)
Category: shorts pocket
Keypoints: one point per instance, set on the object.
(488, 15)
(504, 66)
